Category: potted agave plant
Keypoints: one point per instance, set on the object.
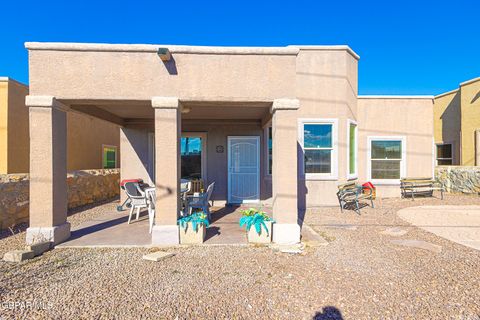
(193, 228)
(257, 224)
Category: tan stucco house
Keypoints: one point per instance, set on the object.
(92, 143)
(281, 126)
(457, 125)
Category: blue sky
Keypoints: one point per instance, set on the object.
(406, 47)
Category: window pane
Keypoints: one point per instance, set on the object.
(444, 162)
(109, 158)
(317, 135)
(191, 157)
(386, 149)
(385, 169)
(351, 150)
(318, 161)
(444, 151)
(270, 150)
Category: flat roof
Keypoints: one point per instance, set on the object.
(469, 81)
(63, 46)
(288, 50)
(446, 93)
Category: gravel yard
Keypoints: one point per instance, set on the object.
(360, 274)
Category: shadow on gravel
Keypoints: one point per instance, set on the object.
(72, 211)
(328, 313)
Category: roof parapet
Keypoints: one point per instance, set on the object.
(63, 46)
(395, 97)
(469, 81)
(328, 48)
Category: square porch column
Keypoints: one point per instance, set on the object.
(167, 170)
(286, 230)
(48, 170)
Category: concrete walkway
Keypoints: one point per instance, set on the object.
(460, 224)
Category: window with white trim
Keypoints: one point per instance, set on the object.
(318, 139)
(444, 154)
(269, 150)
(387, 158)
(352, 149)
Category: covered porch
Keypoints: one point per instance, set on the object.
(151, 149)
(110, 229)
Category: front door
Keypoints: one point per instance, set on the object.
(243, 169)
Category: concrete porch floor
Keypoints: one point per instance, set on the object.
(110, 229)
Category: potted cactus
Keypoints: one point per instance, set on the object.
(193, 228)
(257, 224)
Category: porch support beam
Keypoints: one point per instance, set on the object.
(167, 170)
(267, 121)
(48, 170)
(286, 230)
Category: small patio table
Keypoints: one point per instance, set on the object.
(150, 193)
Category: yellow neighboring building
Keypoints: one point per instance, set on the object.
(457, 125)
(91, 143)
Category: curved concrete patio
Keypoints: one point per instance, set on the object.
(460, 224)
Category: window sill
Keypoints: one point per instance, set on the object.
(319, 178)
(386, 182)
(352, 177)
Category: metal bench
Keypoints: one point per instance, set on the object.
(411, 187)
(352, 193)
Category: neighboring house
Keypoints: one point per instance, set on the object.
(276, 125)
(457, 125)
(14, 142)
(92, 143)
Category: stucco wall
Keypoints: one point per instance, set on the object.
(447, 122)
(3, 126)
(84, 187)
(470, 119)
(18, 133)
(326, 86)
(86, 136)
(217, 163)
(411, 118)
(143, 75)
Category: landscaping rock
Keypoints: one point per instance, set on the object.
(158, 255)
(39, 248)
(18, 255)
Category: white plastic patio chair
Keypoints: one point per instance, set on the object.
(185, 188)
(200, 201)
(138, 196)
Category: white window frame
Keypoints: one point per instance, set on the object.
(333, 175)
(351, 176)
(442, 144)
(403, 161)
(267, 174)
(103, 154)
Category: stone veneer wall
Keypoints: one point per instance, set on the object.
(84, 187)
(459, 179)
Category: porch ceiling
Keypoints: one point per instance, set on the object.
(225, 112)
(121, 111)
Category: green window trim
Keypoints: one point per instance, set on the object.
(109, 157)
(352, 149)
